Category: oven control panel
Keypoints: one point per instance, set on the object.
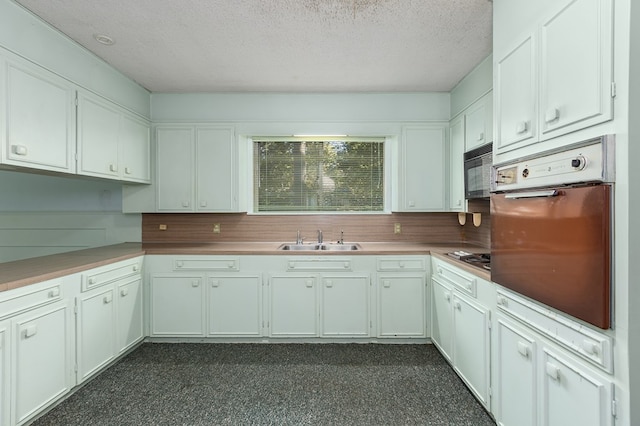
(586, 163)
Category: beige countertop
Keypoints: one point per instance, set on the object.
(29, 271)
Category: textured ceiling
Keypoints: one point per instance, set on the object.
(281, 45)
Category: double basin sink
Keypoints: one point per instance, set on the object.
(320, 247)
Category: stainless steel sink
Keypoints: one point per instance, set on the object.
(320, 247)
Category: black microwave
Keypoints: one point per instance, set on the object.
(477, 172)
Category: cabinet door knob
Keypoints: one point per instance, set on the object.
(231, 265)
(135, 268)
(386, 283)
(92, 280)
(19, 149)
(522, 127)
(308, 283)
(346, 265)
(215, 283)
(185, 204)
(458, 306)
(179, 264)
(124, 292)
(552, 115)
(30, 331)
(203, 203)
(195, 283)
(107, 299)
(553, 371)
(523, 349)
(328, 283)
(448, 297)
(127, 170)
(480, 136)
(502, 301)
(113, 168)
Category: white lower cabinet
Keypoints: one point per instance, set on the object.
(178, 305)
(4, 373)
(293, 306)
(41, 359)
(96, 331)
(541, 381)
(515, 374)
(108, 315)
(235, 305)
(402, 305)
(461, 327)
(345, 306)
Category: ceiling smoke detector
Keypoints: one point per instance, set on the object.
(104, 39)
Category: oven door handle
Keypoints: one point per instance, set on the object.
(532, 194)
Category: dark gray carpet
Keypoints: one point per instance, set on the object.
(274, 384)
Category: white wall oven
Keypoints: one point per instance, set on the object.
(551, 236)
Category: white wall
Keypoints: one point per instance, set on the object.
(42, 215)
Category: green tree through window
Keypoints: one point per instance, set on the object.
(308, 175)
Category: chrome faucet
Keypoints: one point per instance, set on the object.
(319, 236)
(298, 238)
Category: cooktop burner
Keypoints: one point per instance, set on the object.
(480, 260)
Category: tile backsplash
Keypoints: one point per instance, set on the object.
(234, 227)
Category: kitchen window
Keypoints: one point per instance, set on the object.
(318, 174)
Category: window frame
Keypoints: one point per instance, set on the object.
(388, 141)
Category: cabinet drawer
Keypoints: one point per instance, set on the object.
(219, 264)
(466, 283)
(107, 274)
(589, 344)
(15, 301)
(402, 264)
(319, 264)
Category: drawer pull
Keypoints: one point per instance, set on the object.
(54, 292)
(440, 272)
(553, 371)
(30, 331)
(591, 348)
(523, 349)
(346, 265)
(401, 264)
(124, 292)
(136, 268)
(231, 265)
(92, 280)
(179, 264)
(502, 301)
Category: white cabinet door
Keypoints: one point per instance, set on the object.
(515, 390)
(96, 331)
(456, 164)
(98, 130)
(345, 306)
(216, 176)
(41, 364)
(472, 345)
(129, 319)
(516, 97)
(422, 170)
(134, 142)
(576, 48)
(402, 305)
(442, 318)
(177, 306)
(174, 170)
(4, 373)
(39, 118)
(235, 306)
(573, 395)
(293, 309)
(476, 126)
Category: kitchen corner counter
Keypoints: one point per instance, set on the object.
(463, 265)
(20, 273)
(30, 271)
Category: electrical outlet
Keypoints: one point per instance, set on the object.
(397, 228)
(216, 228)
(162, 227)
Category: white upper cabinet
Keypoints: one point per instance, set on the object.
(196, 169)
(422, 169)
(111, 143)
(38, 118)
(479, 122)
(456, 163)
(576, 49)
(557, 79)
